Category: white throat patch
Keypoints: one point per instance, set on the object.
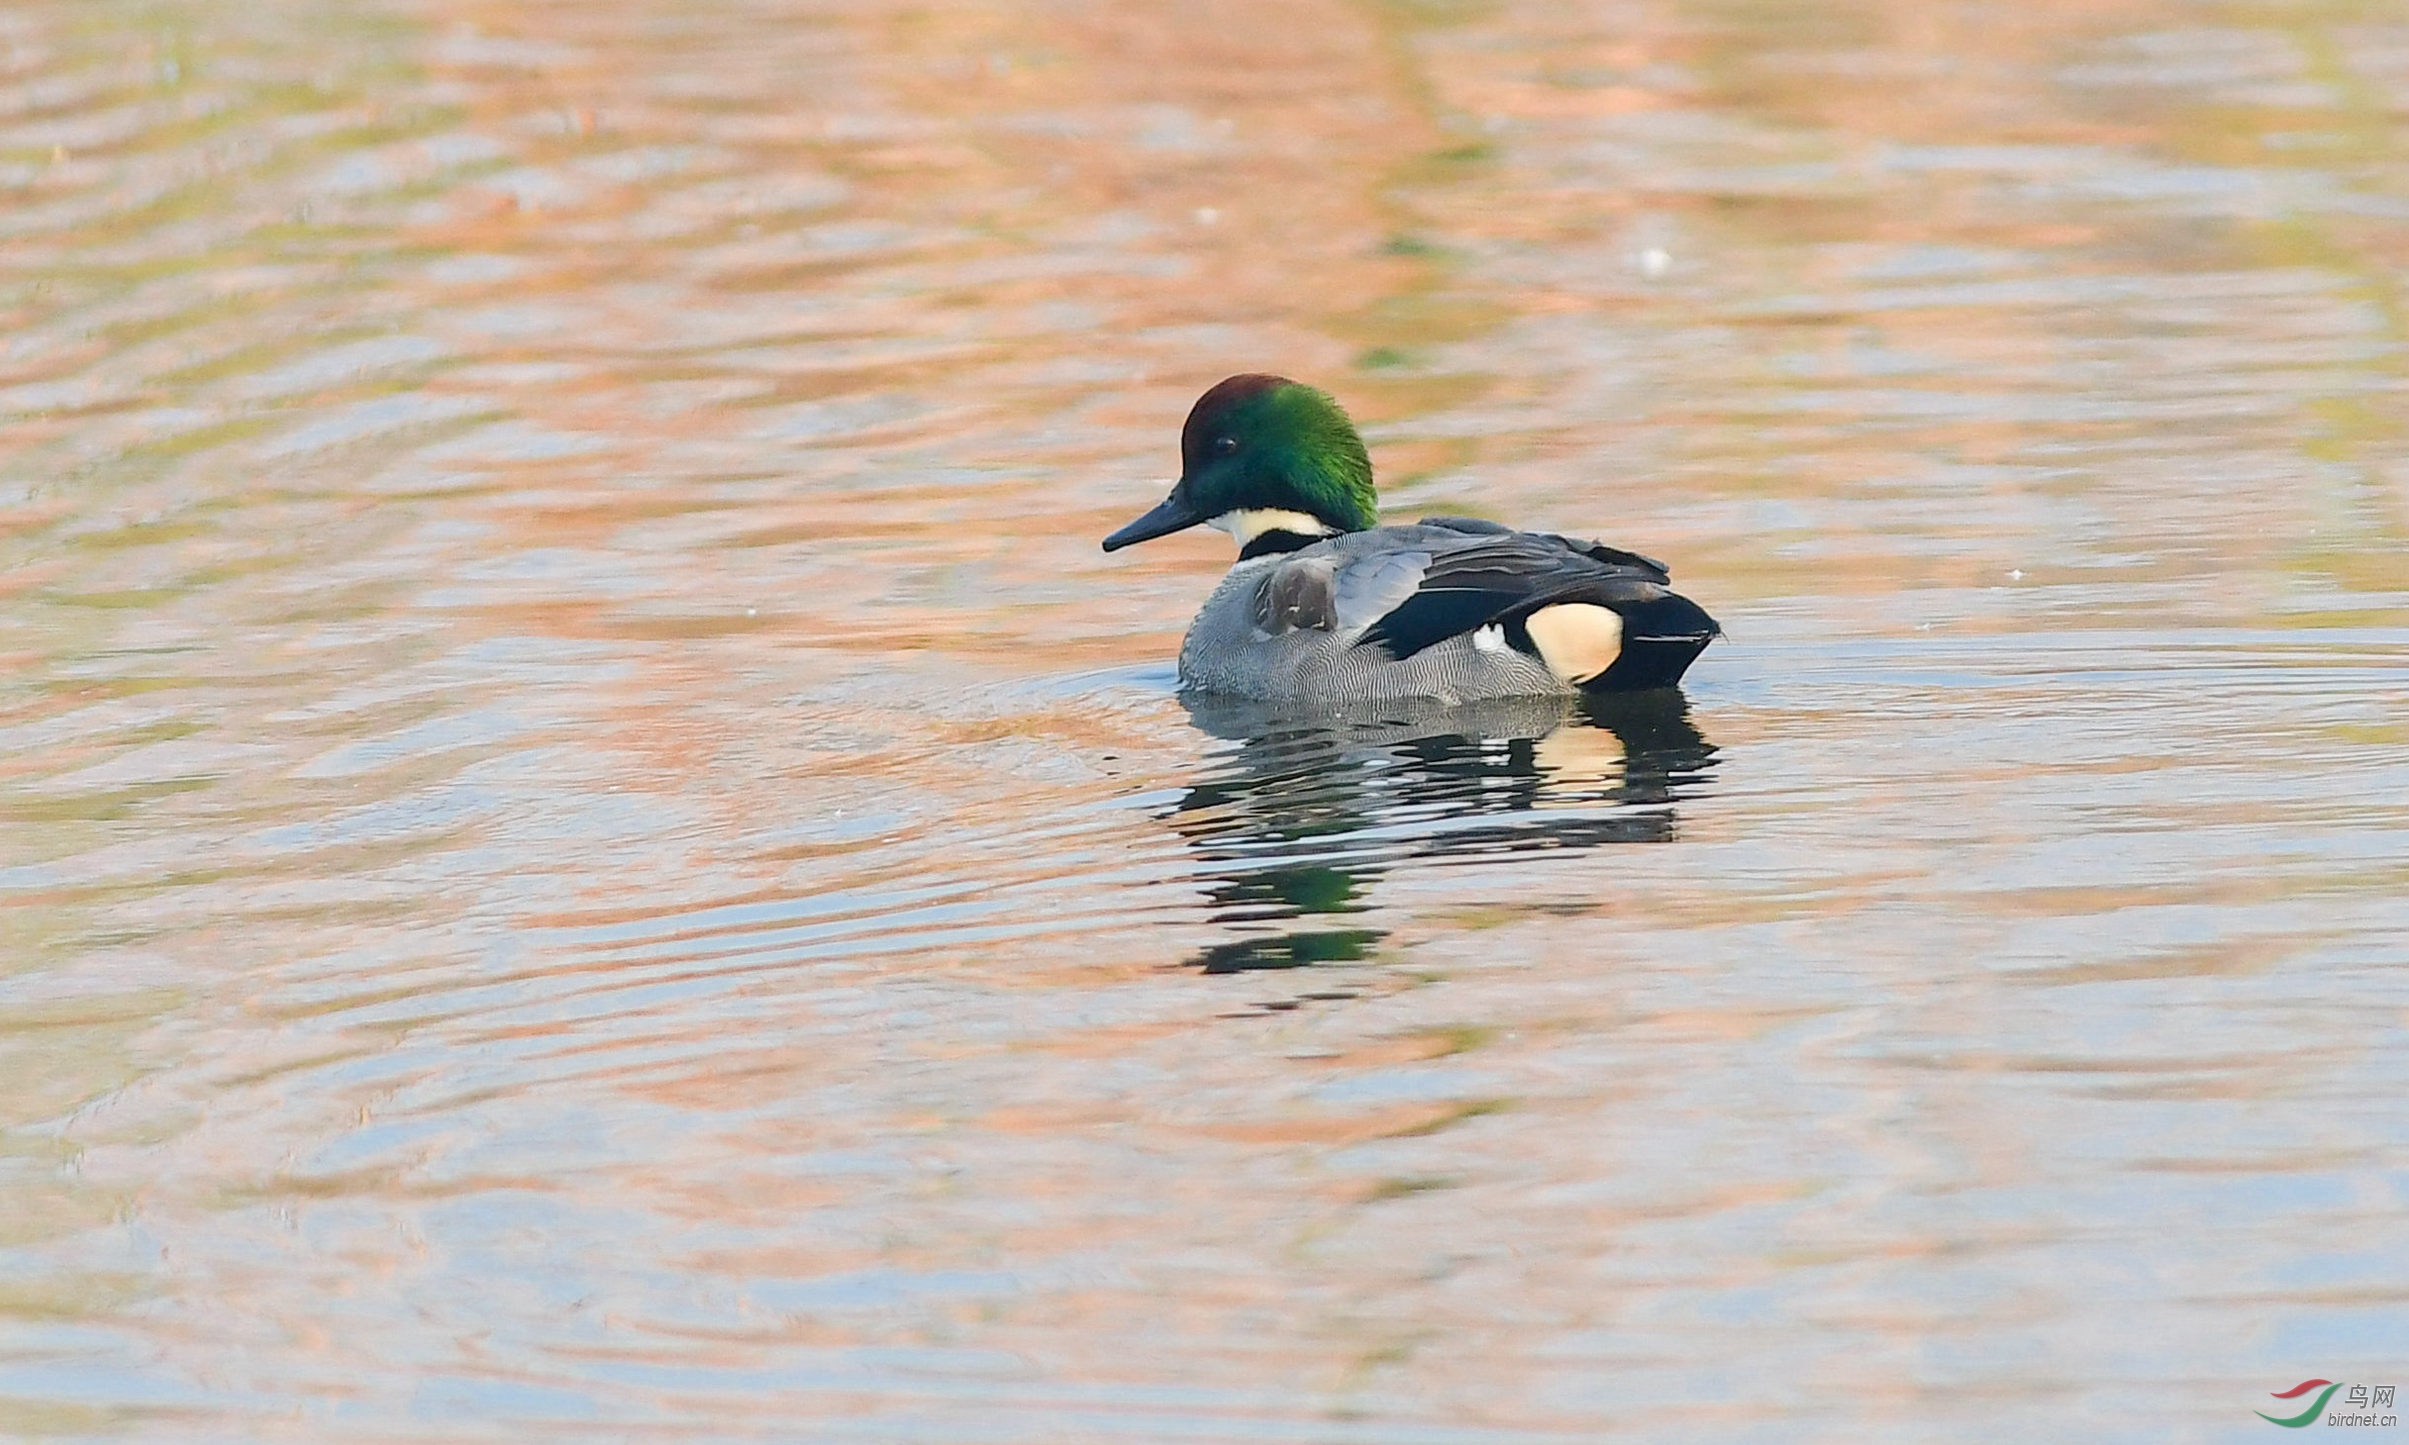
(1246, 524)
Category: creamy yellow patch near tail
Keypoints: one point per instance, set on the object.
(1577, 640)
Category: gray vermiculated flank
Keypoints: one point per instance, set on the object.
(1287, 626)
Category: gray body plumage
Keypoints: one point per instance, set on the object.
(1322, 623)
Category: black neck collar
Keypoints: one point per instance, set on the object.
(1273, 541)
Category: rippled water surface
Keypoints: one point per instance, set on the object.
(589, 849)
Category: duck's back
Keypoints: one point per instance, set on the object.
(1448, 609)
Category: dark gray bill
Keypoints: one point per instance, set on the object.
(1174, 513)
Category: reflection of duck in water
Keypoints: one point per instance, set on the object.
(1306, 813)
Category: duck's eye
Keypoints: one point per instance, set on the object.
(1223, 446)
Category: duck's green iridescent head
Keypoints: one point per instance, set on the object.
(1263, 455)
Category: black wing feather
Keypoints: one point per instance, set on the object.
(1504, 575)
